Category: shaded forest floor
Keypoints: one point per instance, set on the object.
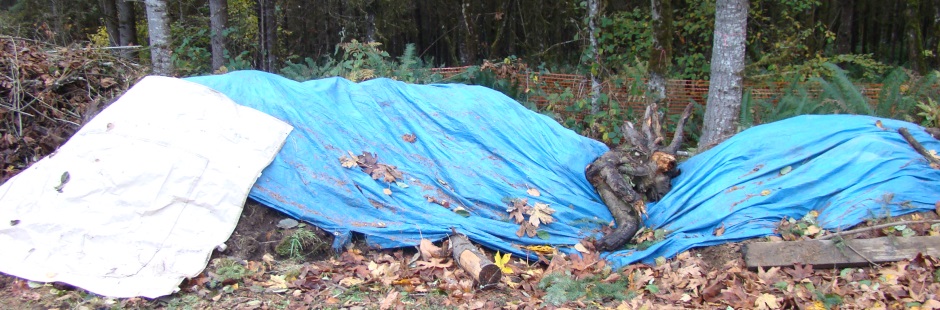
(250, 274)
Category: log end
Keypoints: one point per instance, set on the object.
(490, 275)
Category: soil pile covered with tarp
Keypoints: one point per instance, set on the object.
(399, 162)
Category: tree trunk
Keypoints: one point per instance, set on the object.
(370, 22)
(159, 29)
(915, 43)
(661, 54)
(110, 16)
(725, 87)
(218, 18)
(595, 57)
(127, 27)
(267, 26)
(468, 46)
(846, 19)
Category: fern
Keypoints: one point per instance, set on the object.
(561, 288)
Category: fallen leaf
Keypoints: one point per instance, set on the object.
(388, 300)
(766, 301)
(541, 249)
(435, 262)
(800, 272)
(765, 192)
(500, 261)
(387, 191)
(350, 281)
(428, 249)
(516, 210)
(580, 247)
(812, 230)
(880, 125)
(540, 213)
(350, 161)
(527, 229)
(462, 212)
(410, 138)
(719, 231)
(534, 192)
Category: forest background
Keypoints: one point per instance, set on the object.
(815, 55)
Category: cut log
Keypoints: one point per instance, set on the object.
(934, 162)
(934, 132)
(472, 260)
(832, 254)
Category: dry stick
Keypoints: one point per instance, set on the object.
(870, 228)
(857, 252)
(918, 147)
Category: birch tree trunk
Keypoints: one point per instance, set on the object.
(592, 34)
(725, 86)
(218, 18)
(661, 53)
(159, 28)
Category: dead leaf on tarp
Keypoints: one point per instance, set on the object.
(408, 137)
(387, 191)
(516, 209)
(440, 202)
(526, 228)
(461, 211)
(534, 192)
(349, 161)
(880, 125)
(541, 213)
(369, 164)
(719, 231)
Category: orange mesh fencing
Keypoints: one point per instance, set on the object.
(678, 92)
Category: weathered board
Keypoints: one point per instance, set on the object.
(830, 254)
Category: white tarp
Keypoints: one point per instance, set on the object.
(155, 183)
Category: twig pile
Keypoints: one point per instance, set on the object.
(47, 92)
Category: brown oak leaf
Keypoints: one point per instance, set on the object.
(526, 228)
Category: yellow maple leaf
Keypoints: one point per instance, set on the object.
(501, 262)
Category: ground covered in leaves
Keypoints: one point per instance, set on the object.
(272, 262)
(273, 265)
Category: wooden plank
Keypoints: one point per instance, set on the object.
(830, 254)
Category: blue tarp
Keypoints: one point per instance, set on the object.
(477, 148)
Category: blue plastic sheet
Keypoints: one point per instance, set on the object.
(477, 148)
(474, 148)
(843, 166)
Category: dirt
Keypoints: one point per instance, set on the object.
(256, 233)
